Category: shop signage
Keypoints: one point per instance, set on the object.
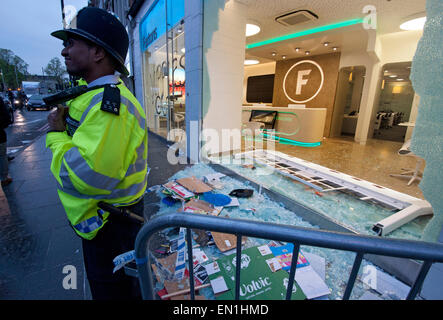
(303, 81)
(150, 38)
(153, 24)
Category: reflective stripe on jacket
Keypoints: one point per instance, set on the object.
(103, 158)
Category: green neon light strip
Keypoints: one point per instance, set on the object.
(292, 142)
(306, 32)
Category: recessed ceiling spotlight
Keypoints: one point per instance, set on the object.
(251, 62)
(252, 29)
(326, 44)
(400, 79)
(297, 49)
(307, 53)
(274, 54)
(335, 48)
(414, 24)
(393, 76)
(284, 57)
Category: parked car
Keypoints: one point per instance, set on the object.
(36, 102)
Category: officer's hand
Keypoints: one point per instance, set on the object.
(56, 119)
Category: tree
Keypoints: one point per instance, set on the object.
(55, 68)
(14, 69)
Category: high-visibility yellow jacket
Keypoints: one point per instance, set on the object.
(100, 157)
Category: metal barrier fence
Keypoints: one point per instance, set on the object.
(427, 252)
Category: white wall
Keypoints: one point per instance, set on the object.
(194, 71)
(399, 46)
(223, 72)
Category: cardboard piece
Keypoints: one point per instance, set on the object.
(194, 185)
(200, 206)
(225, 241)
(257, 281)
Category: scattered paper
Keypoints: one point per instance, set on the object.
(179, 190)
(200, 274)
(199, 256)
(234, 202)
(212, 268)
(264, 250)
(202, 207)
(273, 264)
(311, 283)
(219, 285)
(180, 261)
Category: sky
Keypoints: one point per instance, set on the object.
(25, 27)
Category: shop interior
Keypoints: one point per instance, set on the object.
(350, 108)
(166, 86)
(277, 39)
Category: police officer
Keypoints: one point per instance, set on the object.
(99, 147)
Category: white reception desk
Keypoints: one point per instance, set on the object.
(297, 124)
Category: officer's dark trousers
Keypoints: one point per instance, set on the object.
(116, 237)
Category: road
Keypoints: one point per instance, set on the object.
(28, 125)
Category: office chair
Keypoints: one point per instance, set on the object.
(412, 174)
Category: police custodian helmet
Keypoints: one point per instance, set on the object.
(101, 28)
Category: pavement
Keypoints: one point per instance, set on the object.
(36, 242)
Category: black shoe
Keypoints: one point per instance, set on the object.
(11, 158)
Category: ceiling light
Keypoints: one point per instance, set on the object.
(274, 54)
(297, 49)
(252, 29)
(397, 89)
(335, 48)
(307, 53)
(326, 44)
(414, 24)
(284, 57)
(251, 62)
(393, 76)
(400, 79)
